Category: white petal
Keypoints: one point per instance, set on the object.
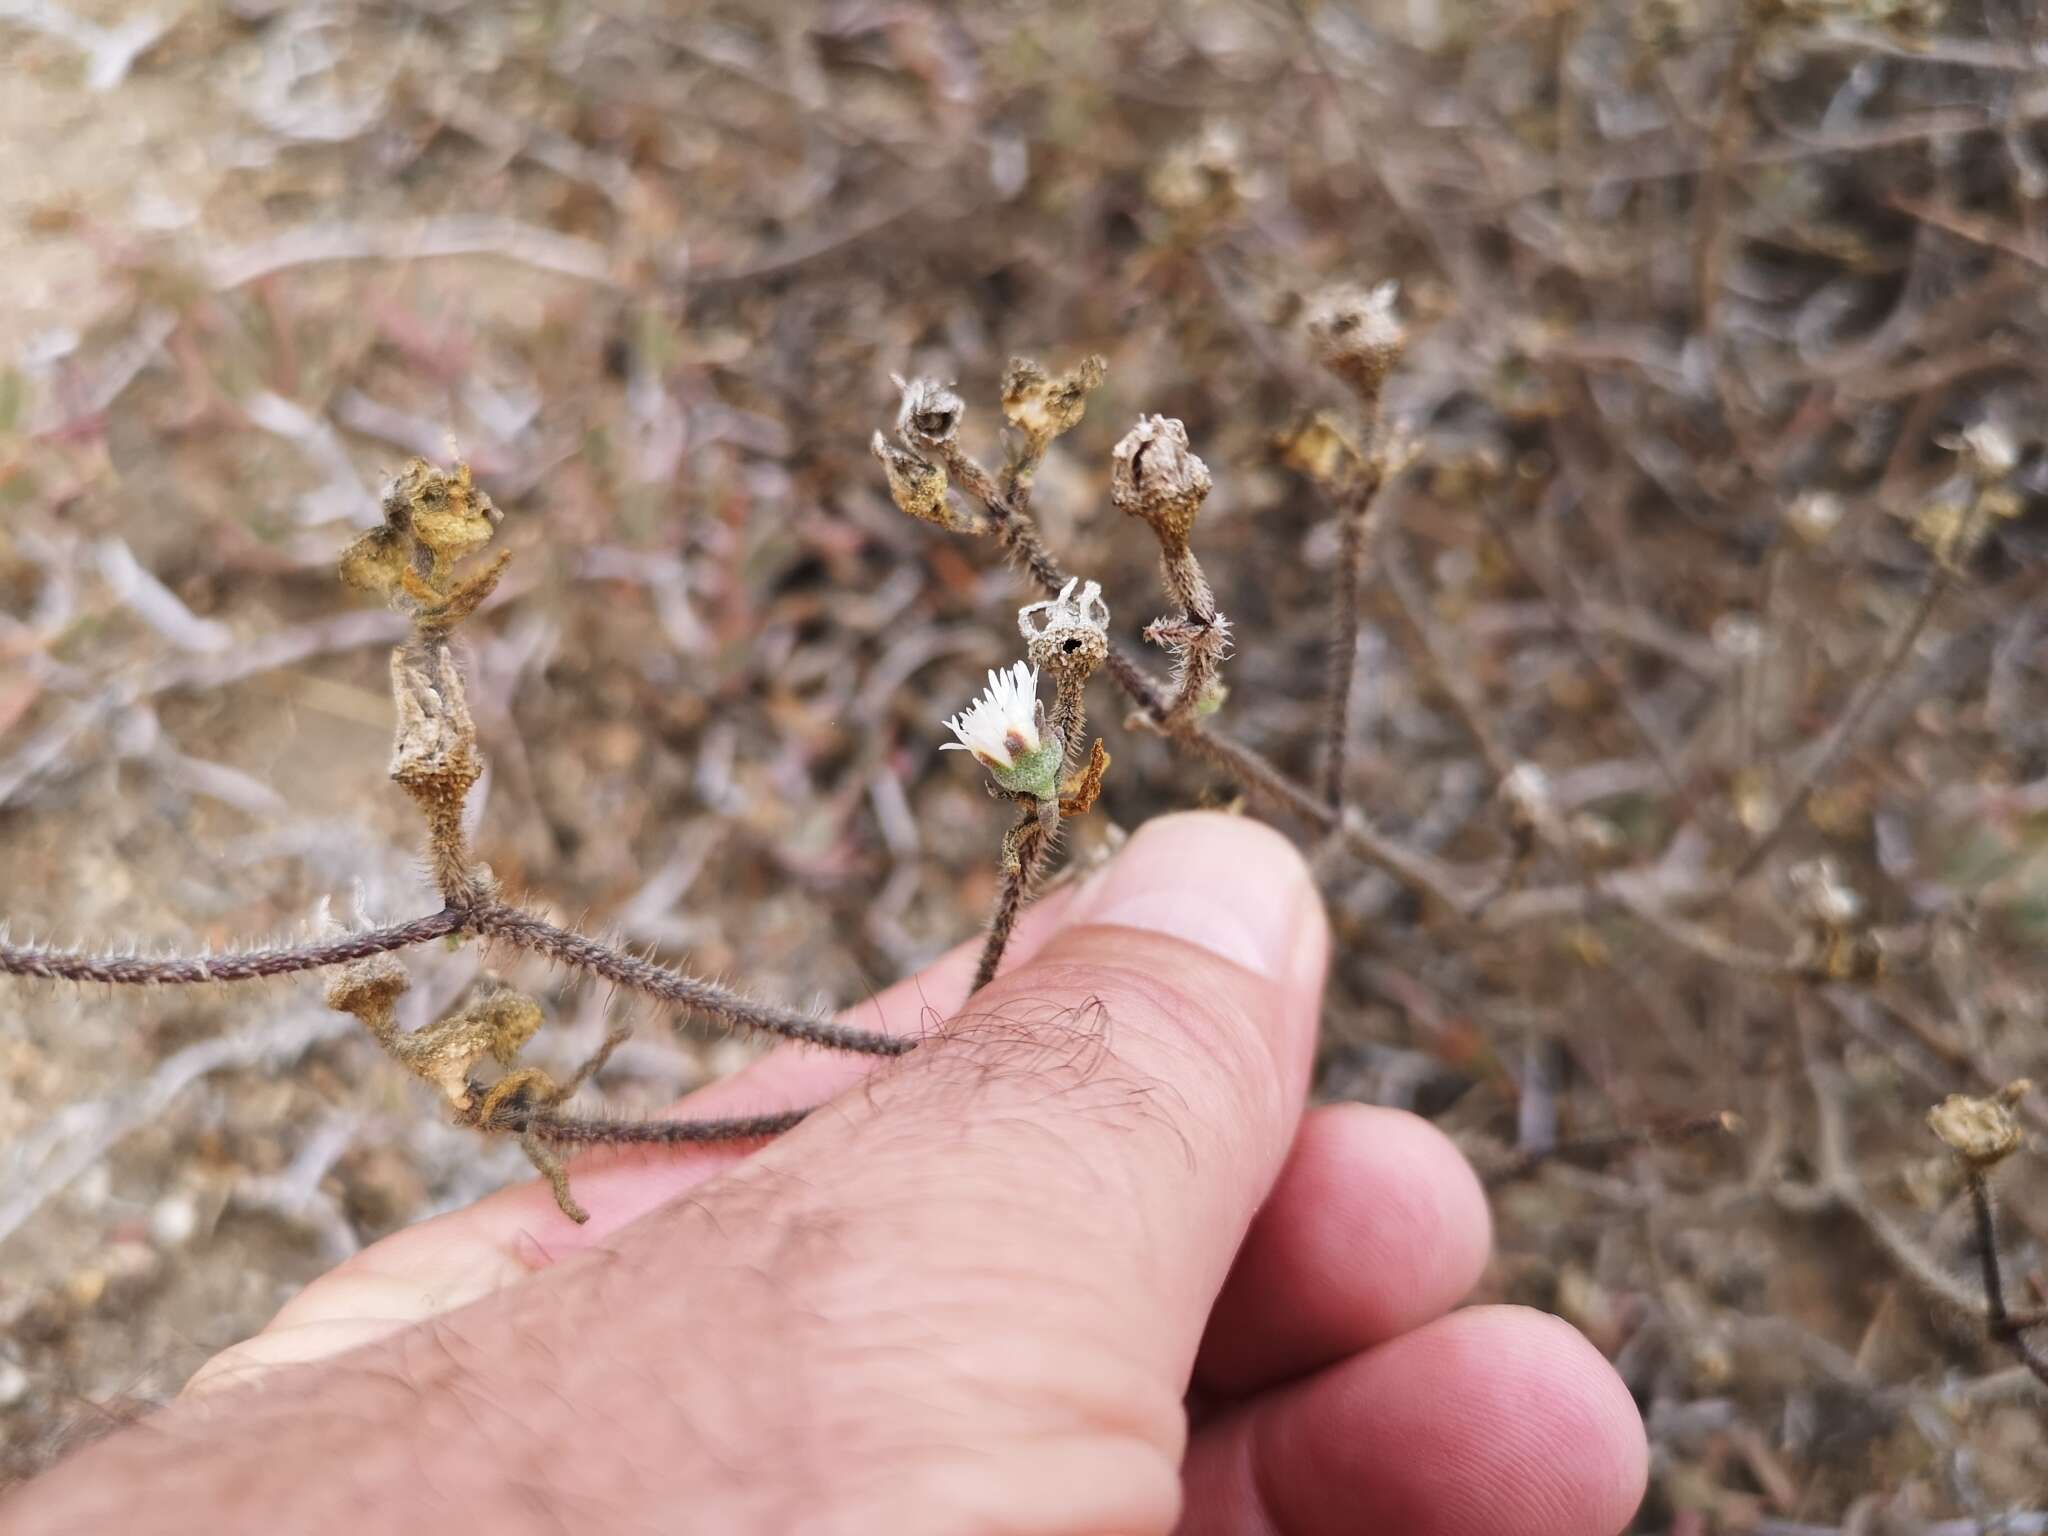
(1007, 711)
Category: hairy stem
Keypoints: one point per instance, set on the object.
(524, 930)
(1021, 541)
(1343, 649)
(1069, 720)
(2002, 1325)
(493, 919)
(1025, 848)
(1198, 638)
(448, 857)
(547, 1125)
(1001, 924)
(231, 965)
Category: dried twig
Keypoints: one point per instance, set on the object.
(1843, 732)
(1355, 335)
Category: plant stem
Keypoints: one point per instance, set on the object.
(1343, 651)
(2003, 1327)
(233, 965)
(1844, 730)
(524, 1120)
(523, 929)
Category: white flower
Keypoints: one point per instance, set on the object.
(1002, 725)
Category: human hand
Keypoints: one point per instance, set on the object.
(1078, 1264)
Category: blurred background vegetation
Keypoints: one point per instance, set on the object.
(1703, 294)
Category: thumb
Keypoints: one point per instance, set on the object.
(1141, 1074)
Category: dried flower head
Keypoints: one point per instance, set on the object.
(1203, 181)
(1005, 730)
(503, 1020)
(1042, 407)
(1069, 634)
(1322, 448)
(432, 519)
(1357, 336)
(1836, 943)
(930, 413)
(916, 485)
(1949, 525)
(370, 989)
(1980, 1131)
(1598, 840)
(496, 1023)
(1959, 515)
(1154, 477)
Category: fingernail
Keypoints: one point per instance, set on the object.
(1233, 886)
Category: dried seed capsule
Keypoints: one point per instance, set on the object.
(445, 510)
(1980, 1131)
(1358, 337)
(434, 755)
(1154, 477)
(930, 413)
(433, 520)
(370, 989)
(916, 485)
(1042, 407)
(1203, 183)
(1068, 634)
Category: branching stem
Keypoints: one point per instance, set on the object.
(492, 919)
(1250, 769)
